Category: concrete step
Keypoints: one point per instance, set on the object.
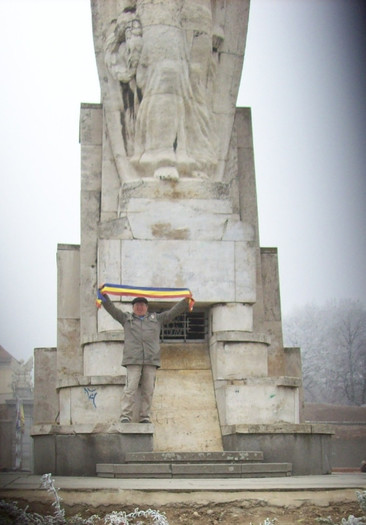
(228, 464)
(194, 470)
(194, 457)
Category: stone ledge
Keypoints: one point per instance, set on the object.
(91, 105)
(193, 470)
(194, 457)
(99, 428)
(184, 188)
(77, 381)
(242, 337)
(101, 337)
(277, 428)
(282, 381)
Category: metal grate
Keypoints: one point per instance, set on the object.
(187, 327)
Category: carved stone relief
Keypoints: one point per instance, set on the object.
(159, 63)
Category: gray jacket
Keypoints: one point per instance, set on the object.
(142, 345)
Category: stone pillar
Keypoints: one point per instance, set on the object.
(69, 352)
(46, 407)
(293, 368)
(272, 323)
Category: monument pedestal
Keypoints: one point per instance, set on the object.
(307, 447)
(168, 200)
(75, 450)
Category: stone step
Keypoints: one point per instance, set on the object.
(194, 457)
(194, 470)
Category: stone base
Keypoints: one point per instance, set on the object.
(307, 447)
(75, 450)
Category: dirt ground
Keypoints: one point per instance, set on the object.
(232, 513)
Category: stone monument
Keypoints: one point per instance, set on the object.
(168, 199)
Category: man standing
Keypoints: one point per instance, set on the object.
(141, 353)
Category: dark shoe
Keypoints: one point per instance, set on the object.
(125, 420)
(145, 420)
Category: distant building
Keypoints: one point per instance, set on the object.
(16, 412)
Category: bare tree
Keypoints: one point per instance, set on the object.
(332, 339)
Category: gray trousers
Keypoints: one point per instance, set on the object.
(145, 376)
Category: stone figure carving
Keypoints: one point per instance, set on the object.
(161, 53)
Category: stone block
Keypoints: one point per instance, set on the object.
(78, 455)
(245, 272)
(309, 453)
(91, 122)
(90, 404)
(44, 458)
(75, 450)
(194, 457)
(227, 281)
(224, 122)
(228, 75)
(90, 212)
(270, 279)
(184, 411)
(103, 359)
(109, 261)
(183, 189)
(91, 167)
(46, 402)
(239, 360)
(236, 24)
(266, 470)
(143, 470)
(214, 470)
(110, 181)
(184, 356)
(115, 228)
(200, 219)
(237, 230)
(69, 351)
(257, 401)
(64, 396)
(68, 272)
(232, 317)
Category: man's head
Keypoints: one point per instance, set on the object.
(140, 306)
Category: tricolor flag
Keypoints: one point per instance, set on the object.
(143, 291)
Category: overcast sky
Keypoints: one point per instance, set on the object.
(304, 78)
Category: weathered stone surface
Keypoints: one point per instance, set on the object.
(78, 454)
(91, 122)
(168, 199)
(91, 167)
(68, 266)
(46, 403)
(168, 51)
(169, 266)
(272, 310)
(184, 411)
(238, 360)
(142, 470)
(258, 401)
(194, 457)
(103, 359)
(232, 317)
(309, 453)
(69, 351)
(185, 357)
(191, 470)
(88, 404)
